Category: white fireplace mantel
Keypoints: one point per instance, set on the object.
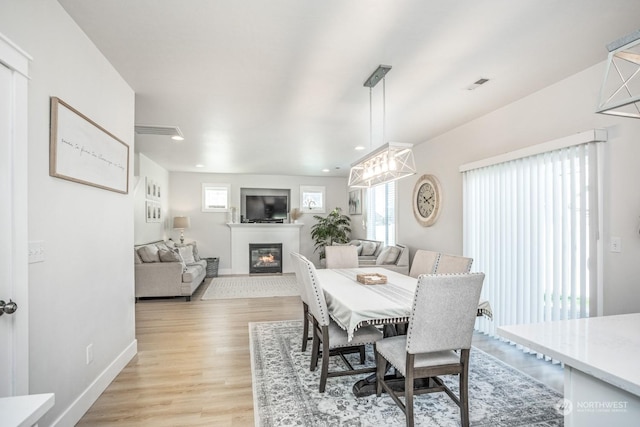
(243, 234)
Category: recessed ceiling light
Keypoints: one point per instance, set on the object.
(360, 147)
(199, 166)
(326, 170)
(177, 138)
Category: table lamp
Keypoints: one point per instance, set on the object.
(181, 222)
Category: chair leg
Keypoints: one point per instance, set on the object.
(464, 388)
(305, 326)
(325, 358)
(362, 354)
(315, 348)
(381, 365)
(408, 390)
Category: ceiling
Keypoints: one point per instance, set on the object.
(276, 87)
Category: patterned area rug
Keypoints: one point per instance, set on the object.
(286, 392)
(251, 287)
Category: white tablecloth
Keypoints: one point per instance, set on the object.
(352, 304)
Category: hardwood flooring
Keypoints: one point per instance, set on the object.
(193, 366)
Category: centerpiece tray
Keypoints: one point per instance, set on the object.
(372, 279)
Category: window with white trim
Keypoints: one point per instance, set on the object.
(381, 213)
(215, 197)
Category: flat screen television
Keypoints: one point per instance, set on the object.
(264, 208)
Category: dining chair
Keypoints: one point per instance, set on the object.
(448, 264)
(307, 318)
(424, 262)
(342, 256)
(438, 341)
(333, 338)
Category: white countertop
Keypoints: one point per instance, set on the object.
(24, 411)
(608, 347)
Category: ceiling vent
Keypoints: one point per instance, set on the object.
(477, 84)
(172, 131)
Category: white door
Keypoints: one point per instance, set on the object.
(14, 328)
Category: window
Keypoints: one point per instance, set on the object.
(215, 197)
(381, 213)
(312, 199)
(530, 224)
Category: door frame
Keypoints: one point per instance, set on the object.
(18, 61)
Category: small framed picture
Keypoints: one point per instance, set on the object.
(355, 202)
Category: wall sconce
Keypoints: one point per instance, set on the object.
(181, 222)
(620, 92)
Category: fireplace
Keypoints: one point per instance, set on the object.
(265, 258)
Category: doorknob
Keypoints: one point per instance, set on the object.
(8, 307)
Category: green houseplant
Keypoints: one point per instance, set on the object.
(334, 228)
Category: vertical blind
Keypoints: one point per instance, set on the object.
(530, 225)
(381, 213)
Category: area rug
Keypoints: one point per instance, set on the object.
(286, 393)
(251, 287)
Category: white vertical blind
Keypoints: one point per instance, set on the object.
(381, 213)
(530, 225)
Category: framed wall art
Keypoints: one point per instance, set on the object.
(82, 151)
(355, 202)
(153, 211)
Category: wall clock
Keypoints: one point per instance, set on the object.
(427, 200)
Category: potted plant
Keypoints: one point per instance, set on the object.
(334, 228)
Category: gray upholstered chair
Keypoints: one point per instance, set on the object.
(438, 340)
(342, 256)
(448, 264)
(307, 318)
(326, 332)
(424, 262)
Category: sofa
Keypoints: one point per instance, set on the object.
(373, 253)
(167, 269)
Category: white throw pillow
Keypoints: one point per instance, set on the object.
(186, 253)
(368, 248)
(388, 255)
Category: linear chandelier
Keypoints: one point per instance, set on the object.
(389, 162)
(620, 91)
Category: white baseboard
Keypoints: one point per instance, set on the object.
(81, 405)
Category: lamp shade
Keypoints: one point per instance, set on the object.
(181, 222)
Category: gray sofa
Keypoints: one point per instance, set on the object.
(164, 269)
(373, 253)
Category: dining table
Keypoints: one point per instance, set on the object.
(387, 300)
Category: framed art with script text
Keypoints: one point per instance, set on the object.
(82, 151)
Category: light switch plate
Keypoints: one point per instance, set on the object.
(616, 244)
(36, 251)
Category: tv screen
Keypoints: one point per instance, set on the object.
(266, 207)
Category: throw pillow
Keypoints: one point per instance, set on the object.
(162, 246)
(149, 253)
(136, 257)
(167, 255)
(196, 256)
(368, 248)
(186, 253)
(388, 255)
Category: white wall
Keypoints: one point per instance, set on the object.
(83, 292)
(146, 232)
(555, 112)
(209, 229)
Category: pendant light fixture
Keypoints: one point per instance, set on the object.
(388, 162)
(620, 92)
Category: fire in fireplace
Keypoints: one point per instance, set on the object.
(265, 258)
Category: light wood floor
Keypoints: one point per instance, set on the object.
(193, 366)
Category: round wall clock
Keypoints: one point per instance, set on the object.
(427, 200)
